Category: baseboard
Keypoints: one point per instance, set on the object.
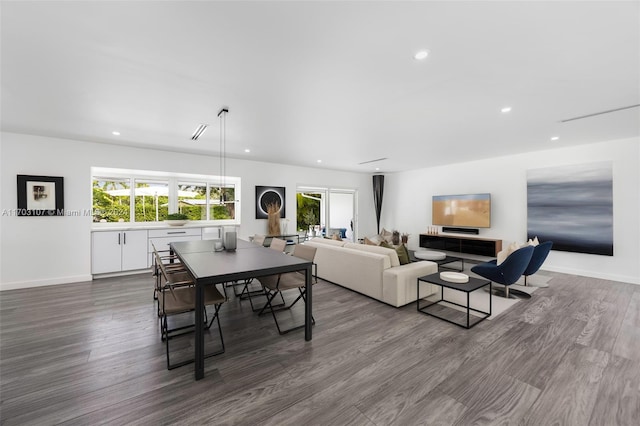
(591, 274)
(122, 274)
(41, 283)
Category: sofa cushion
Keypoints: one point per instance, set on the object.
(328, 241)
(393, 256)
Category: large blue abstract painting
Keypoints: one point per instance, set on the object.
(573, 207)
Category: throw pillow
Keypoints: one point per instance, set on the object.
(403, 254)
(336, 237)
(502, 256)
(385, 245)
(370, 242)
(386, 235)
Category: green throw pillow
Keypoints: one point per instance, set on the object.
(385, 244)
(403, 254)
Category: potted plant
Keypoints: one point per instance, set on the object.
(177, 219)
(310, 219)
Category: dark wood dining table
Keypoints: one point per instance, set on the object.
(210, 267)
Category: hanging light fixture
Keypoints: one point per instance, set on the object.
(222, 115)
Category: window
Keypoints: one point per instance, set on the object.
(111, 199)
(222, 207)
(138, 196)
(192, 200)
(151, 200)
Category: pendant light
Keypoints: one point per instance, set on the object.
(222, 115)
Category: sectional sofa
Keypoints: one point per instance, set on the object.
(371, 270)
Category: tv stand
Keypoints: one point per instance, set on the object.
(461, 244)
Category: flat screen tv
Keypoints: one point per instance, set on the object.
(468, 210)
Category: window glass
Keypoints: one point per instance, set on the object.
(192, 200)
(222, 208)
(111, 199)
(151, 200)
(121, 195)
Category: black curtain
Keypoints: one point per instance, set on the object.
(378, 190)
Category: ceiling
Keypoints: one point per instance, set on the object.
(330, 81)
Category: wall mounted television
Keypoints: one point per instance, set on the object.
(467, 210)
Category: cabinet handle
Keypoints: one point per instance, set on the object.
(177, 232)
(118, 238)
(124, 234)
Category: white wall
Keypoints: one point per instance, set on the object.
(51, 250)
(407, 202)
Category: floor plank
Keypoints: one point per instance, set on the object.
(90, 353)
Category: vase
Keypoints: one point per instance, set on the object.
(395, 238)
(273, 224)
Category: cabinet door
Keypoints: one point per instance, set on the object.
(106, 252)
(134, 250)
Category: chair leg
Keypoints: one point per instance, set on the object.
(273, 311)
(189, 361)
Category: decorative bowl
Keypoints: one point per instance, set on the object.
(454, 277)
(176, 222)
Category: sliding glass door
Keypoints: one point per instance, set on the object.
(327, 211)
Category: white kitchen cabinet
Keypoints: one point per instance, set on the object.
(160, 238)
(116, 251)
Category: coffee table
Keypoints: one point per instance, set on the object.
(468, 287)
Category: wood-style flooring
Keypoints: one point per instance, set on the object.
(90, 353)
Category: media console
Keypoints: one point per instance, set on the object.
(461, 244)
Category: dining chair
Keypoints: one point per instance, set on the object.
(278, 244)
(275, 285)
(170, 261)
(259, 239)
(177, 297)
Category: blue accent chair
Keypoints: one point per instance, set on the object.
(540, 253)
(509, 271)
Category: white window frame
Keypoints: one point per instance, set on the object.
(173, 179)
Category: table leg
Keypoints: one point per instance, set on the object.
(199, 338)
(468, 302)
(308, 304)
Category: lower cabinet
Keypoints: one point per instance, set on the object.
(117, 251)
(160, 238)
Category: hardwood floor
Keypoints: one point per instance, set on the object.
(90, 353)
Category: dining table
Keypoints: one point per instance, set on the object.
(210, 267)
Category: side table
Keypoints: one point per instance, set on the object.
(468, 287)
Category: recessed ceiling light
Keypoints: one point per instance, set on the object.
(115, 133)
(247, 150)
(555, 138)
(319, 161)
(505, 109)
(422, 54)
(377, 168)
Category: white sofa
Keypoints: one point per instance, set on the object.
(371, 270)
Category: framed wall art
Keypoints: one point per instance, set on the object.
(573, 207)
(269, 195)
(40, 196)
